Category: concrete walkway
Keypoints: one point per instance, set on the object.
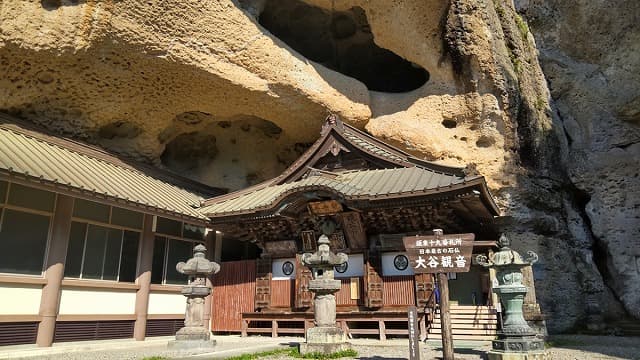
(226, 346)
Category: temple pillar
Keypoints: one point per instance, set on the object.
(210, 241)
(50, 298)
(217, 252)
(144, 279)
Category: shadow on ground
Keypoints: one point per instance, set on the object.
(614, 346)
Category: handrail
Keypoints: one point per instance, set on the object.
(429, 310)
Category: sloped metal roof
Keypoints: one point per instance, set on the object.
(353, 185)
(367, 145)
(41, 158)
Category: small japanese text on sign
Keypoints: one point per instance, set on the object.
(443, 253)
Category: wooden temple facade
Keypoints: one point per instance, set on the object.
(89, 241)
(370, 195)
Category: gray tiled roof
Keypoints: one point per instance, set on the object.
(352, 185)
(369, 146)
(42, 159)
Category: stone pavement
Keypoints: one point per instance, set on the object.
(227, 346)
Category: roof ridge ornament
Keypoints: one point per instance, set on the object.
(319, 172)
(332, 121)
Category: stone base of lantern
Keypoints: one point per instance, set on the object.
(518, 348)
(193, 333)
(192, 345)
(533, 355)
(325, 340)
(192, 338)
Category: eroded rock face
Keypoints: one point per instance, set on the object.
(231, 92)
(590, 52)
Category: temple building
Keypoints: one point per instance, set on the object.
(368, 195)
(89, 242)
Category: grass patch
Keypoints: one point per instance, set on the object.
(522, 26)
(517, 64)
(263, 354)
(295, 353)
(541, 104)
(340, 354)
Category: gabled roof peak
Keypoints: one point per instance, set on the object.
(332, 121)
(385, 160)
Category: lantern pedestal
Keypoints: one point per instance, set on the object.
(517, 340)
(325, 337)
(195, 335)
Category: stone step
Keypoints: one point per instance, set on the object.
(456, 331)
(469, 310)
(462, 337)
(468, 321)
(479, 317)
(479, 326)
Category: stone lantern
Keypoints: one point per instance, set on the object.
(325, 337)
(195, 334)
(516, 340)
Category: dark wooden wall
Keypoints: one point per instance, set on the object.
(398, 290)
(282, 293)
(234, 289)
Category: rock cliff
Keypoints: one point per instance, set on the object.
(542, 97)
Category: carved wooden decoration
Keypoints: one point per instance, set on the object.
(424, 290)
(308, 241)
(373, 284)
(353, 230)
(303, 297)
(285, 248)
(263, 283)
(337, 242)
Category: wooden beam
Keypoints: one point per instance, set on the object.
(447, 341)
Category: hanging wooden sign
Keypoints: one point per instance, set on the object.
(353, 229)
(329, 207)
(439, 253)
(308, 241)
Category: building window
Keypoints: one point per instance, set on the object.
(179, 229)
(167, 253)
(23, 240)
(103, 242)
(94, 211)
(31, 198)
(102, 253)
(25, 220)
(174, 242)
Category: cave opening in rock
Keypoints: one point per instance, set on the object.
(55, 4)
(189, 151)
(341, 41)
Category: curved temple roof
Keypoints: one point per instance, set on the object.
(401, 176)
(66, 164)
(352, 185)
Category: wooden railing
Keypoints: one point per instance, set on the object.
(377, 323)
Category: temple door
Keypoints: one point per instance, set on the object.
(304, 297)
(424, 290)
(263, 283)
(373, 281)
